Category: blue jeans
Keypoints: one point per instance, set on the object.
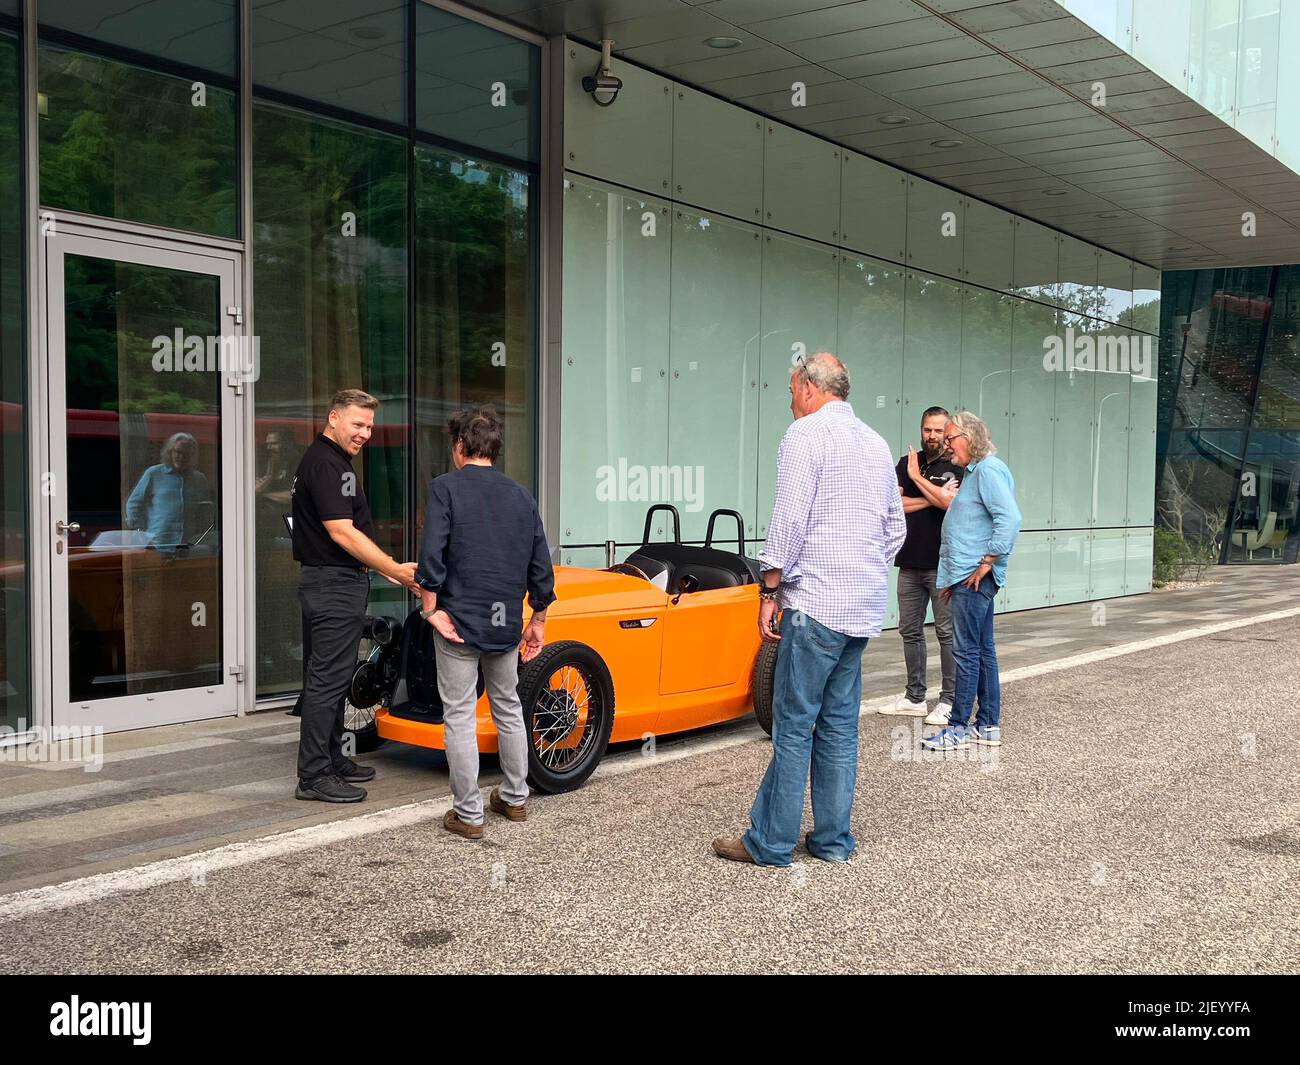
(977, 658)
(815, 703)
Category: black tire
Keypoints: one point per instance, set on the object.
(366, 695)
(765, 683)
(553, 714)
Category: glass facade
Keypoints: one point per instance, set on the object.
(14, 610)
(682, 316)
(1229, 439)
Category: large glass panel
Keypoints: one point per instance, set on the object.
(351, 56)
(1108, 556)
(1073, 439)
(931, 348)
(872, 297)
(801, 183)
(475, 307)
(712, 409)
(1142, 436)
(329, 273)
(630, 144)
(1161, 33)
(717, 155)
(986, 360)
(475, 85)
(1139, 549)
(143, 482)
(936, 227)
(873, 208)
(127, 143)
(1071, 565)
(1212, 56)
(1115, 280)
(1109, 490)
(1029, 571)
(1029, 450)
(1257, 71)
(799, 317)
(1077, 291)
(987, 247)
(614, 370)
(1036, 269)
(196, 33)
(1146, 298)
(14, 691)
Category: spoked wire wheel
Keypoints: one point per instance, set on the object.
(568, 701)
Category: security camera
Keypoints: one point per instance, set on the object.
(602, 85)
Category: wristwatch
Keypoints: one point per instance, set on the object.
(425, 615)
(768, 592)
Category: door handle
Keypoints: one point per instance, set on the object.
(65, 527)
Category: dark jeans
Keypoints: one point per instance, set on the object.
(916, 590)
(815, 707)
(333, 600)
(977, 658)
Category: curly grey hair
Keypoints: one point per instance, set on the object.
(825, 372)
(981, 445)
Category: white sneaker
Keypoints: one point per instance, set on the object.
(903, 707)
(940, 714)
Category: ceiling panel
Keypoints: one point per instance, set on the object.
(1151, 175)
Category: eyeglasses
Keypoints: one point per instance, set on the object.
(950, 439)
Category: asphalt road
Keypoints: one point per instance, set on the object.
(1143, 816)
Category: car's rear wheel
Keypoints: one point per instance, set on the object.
(765, 683)
(568, 700)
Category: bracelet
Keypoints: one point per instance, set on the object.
(426, 615)
(764, 592)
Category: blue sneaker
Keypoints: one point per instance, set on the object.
(989, 735)
(952, 738)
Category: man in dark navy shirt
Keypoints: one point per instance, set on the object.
(334, 540)
(483, 549)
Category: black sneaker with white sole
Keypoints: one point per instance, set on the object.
(329, 788)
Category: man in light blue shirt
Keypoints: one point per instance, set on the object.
(164, 502)
(979, 533)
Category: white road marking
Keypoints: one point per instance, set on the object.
(25, 904)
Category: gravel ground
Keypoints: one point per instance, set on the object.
(1143, 816)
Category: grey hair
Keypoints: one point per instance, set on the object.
(173, 442)
(825, 372)
(981, 445)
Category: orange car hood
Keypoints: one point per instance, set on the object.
(595, 591)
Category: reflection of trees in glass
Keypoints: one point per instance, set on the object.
(474, 303)
(123, 142)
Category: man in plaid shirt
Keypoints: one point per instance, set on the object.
(836, 525)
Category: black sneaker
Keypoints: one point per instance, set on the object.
(329, 788)
(353, 773)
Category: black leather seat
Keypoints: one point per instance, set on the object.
(710, 566)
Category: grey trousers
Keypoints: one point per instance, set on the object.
(916, 589)
(457, 685)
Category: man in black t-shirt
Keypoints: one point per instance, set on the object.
(927, 482)
(334, 540)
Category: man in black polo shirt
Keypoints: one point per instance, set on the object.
(927, 482)
(483, 548)
(334, 539)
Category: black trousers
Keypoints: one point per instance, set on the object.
(333, 600)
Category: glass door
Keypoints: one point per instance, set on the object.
(144, 367)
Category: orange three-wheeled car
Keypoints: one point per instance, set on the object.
(665, 641)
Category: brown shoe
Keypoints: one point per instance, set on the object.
(511, 813)
(731, 848)
(452, 823)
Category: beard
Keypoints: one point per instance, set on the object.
(932, 450)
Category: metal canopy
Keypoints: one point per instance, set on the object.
(1152, 175)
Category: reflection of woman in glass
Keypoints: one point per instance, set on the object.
(165, 501)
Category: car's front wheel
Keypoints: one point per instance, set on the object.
(765, 683)
(568, 701)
